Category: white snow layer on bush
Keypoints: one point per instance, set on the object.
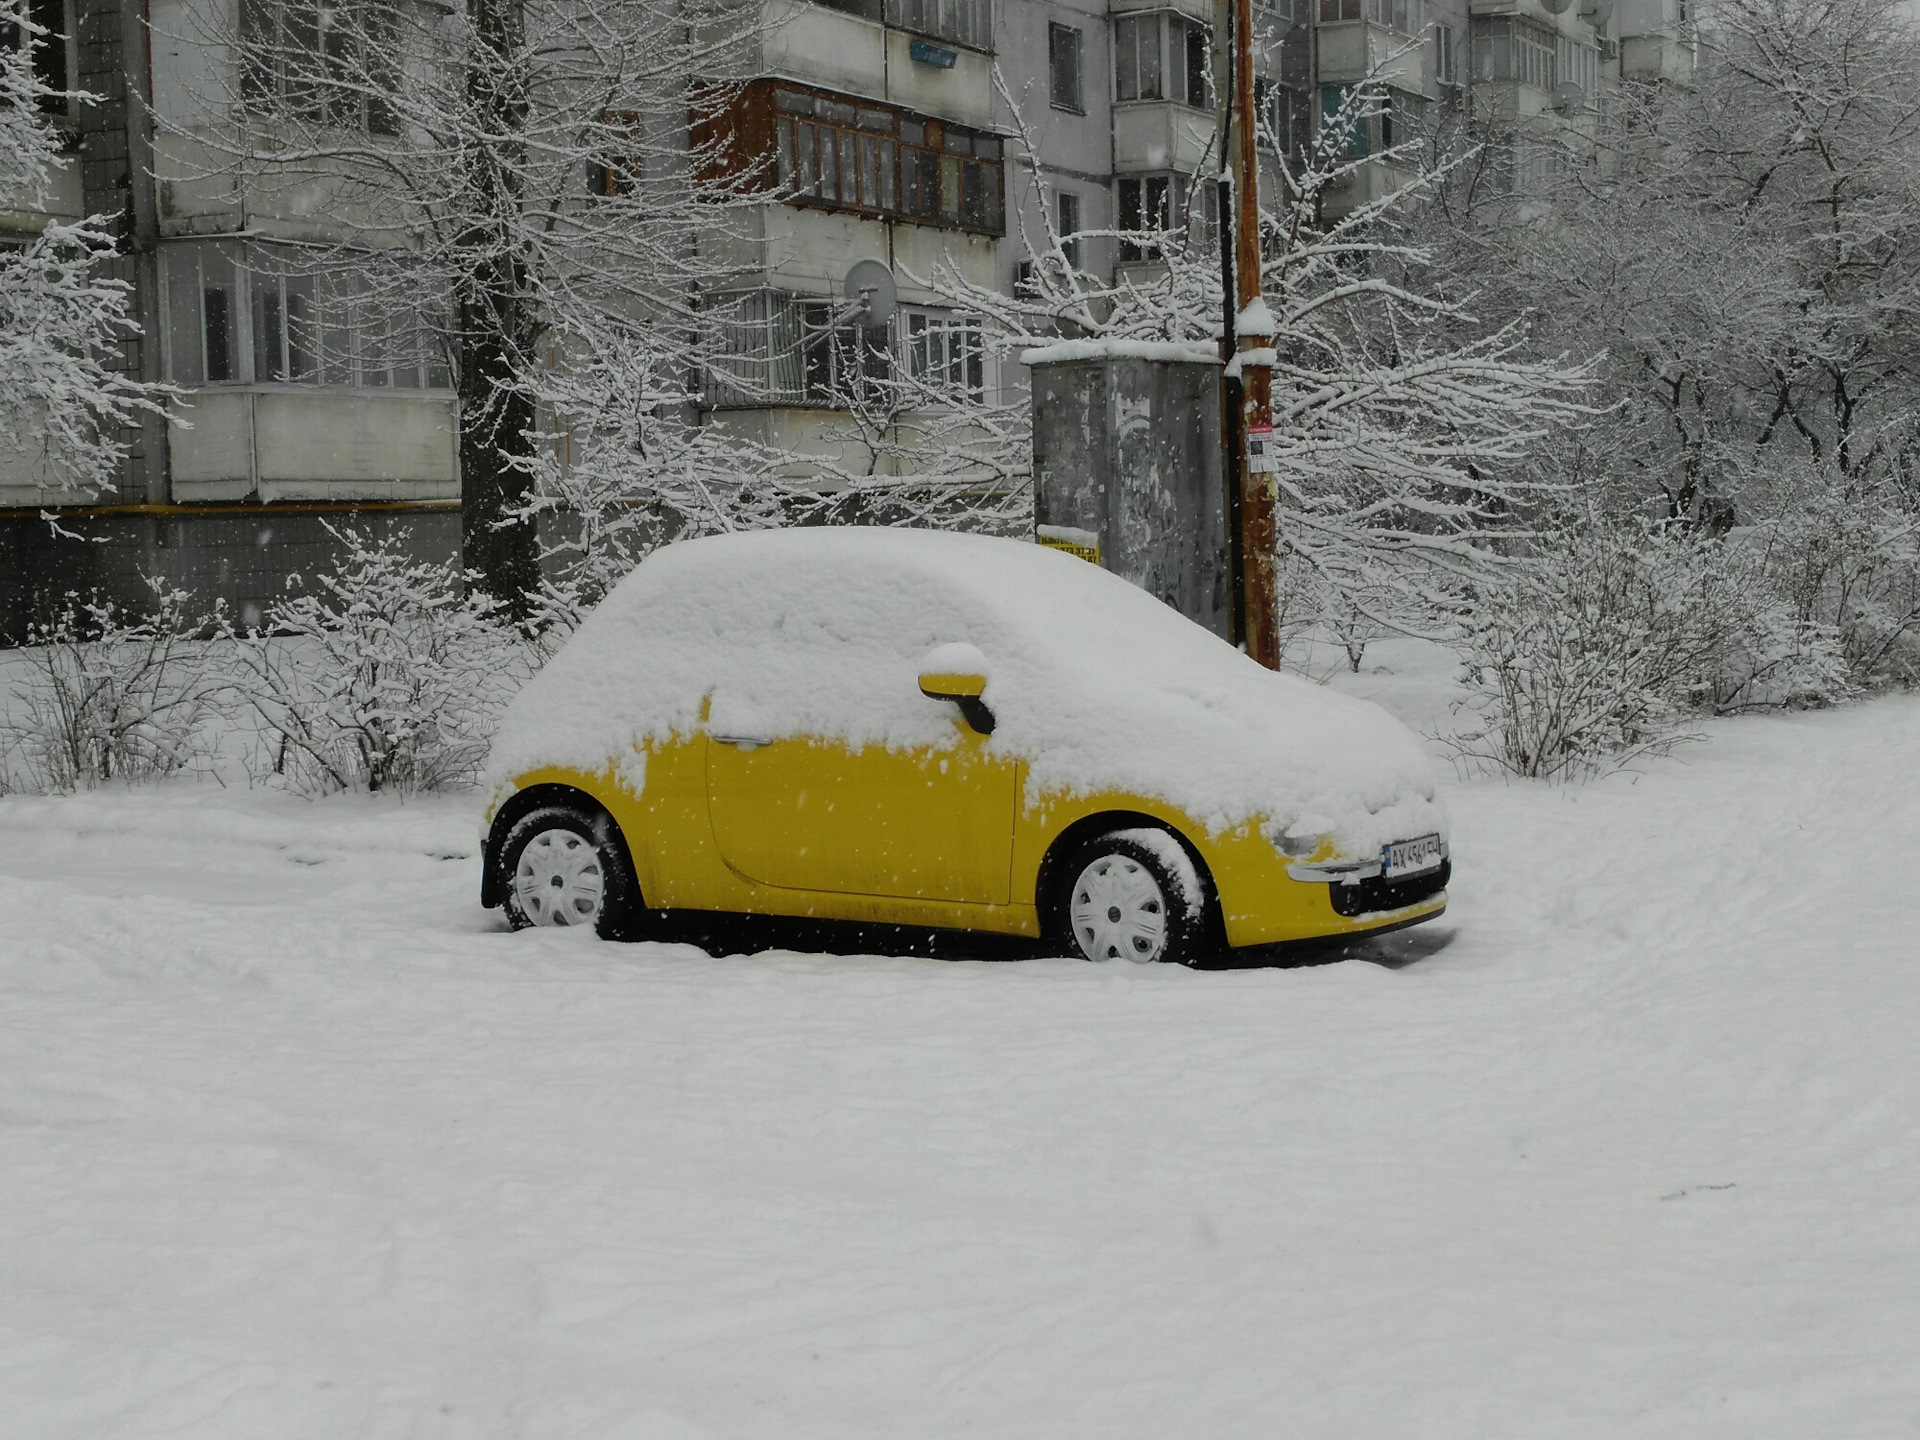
(1096, 685)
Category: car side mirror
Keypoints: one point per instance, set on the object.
(959, 673)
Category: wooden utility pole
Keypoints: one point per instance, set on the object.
(1253, 332)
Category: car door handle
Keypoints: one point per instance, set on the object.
(747, 741)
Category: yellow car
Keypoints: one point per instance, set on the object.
(946, 731)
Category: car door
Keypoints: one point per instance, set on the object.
(808, 808)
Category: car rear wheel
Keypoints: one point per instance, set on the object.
(566, 869)
(1134, 895)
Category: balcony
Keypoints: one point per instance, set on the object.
(1359, 38)
(850, 156)
(912, 54)
(1159, 136)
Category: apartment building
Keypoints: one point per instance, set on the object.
(275, 441)
(888, 130)
(875, 125)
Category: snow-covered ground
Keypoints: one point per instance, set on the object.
(296, 1142)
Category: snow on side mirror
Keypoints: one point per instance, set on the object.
(958, 672)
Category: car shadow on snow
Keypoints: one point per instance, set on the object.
(747, 935)
(1391, 950)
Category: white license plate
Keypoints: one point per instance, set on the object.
(1411, 857)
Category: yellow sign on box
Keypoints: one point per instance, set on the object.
(1084, 543)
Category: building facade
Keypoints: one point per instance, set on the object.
(889, 130)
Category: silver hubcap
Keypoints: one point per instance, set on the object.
(1117, 911)
(559, 880)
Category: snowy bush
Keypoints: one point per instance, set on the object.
(388, 674)
(1608, 639)
(1843, 551)
(99, 694)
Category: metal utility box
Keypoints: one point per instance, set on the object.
(1126, 468)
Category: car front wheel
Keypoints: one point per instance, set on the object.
(1135, 895)
(567, 869)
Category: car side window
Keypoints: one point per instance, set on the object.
(838, 656)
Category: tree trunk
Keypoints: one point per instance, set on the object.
(497, 540)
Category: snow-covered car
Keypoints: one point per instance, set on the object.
(946, 731)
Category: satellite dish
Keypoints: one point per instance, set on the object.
(1596, 12)
(871, 293)
(1555, 7)
(1568, 98)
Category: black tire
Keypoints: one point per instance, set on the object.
(1122, 862)
(564, 836)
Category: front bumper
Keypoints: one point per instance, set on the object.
(1374, 895)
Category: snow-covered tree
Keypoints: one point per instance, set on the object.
(549, 193)
(520, 182)
(61, 401)
(1743, 253)
(1404, 422)
(1741, 257)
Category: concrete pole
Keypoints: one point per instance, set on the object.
(1258, 535)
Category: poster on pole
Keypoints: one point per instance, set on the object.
(1259, 449)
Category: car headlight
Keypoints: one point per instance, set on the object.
(1295, 847)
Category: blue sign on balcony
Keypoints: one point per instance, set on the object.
(924, 53)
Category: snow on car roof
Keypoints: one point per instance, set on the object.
(1095, 684)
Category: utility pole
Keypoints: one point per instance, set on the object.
(1253, 333)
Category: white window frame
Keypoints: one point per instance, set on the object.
(944, 347)
(1075, 41)
(348, 334)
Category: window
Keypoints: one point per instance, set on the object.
(1507, 47)
(1066, 87)
(946, 351)
(1386, 119)
(1341, 124)
(1136, 51)
(1446, 57)
(761, 360)
(1162, 57)
(864, 156)
(1286, 119)
(782, 349)
(865, 9)
(839, 360)
(1400, 16)
(264, 316)
(55, 63)
(200, 284)
(1579, 65)
(1156, 208)
(1288, 12)
(1067, 222)
(333, 62)
(619, 171)
(965, 22)
(1189, 47)
(1402, 121)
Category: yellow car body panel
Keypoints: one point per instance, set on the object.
(937, 837)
